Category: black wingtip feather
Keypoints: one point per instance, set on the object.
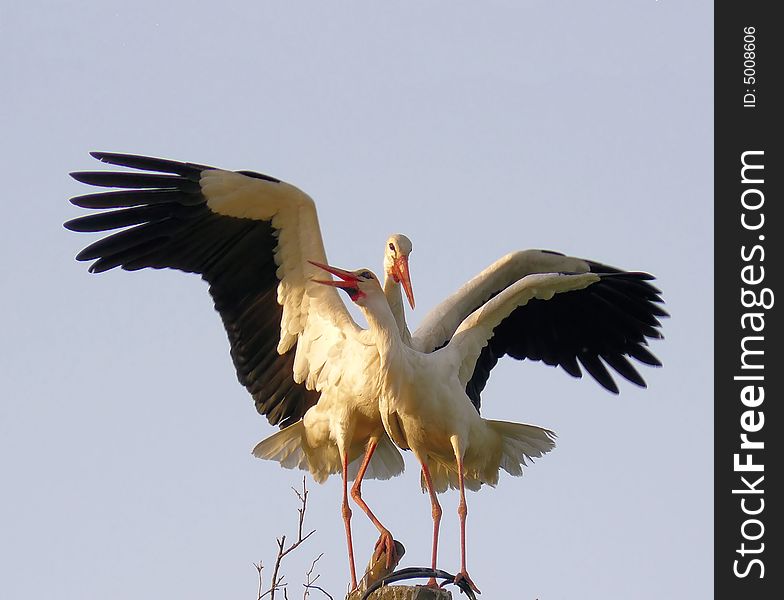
(72, 225)
(643, 355)
(598, 371)
(137, 197)
(569, 364)
(191, 171)
(116, 219)
(114, 179)
(658, 310)
(257, 175)
(624, 368)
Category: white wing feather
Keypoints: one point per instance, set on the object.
(476, 330)
(314, 316)
(440, 323)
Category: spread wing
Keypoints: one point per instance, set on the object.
(479, 328)
(600, 326)
(440, 324)
(249, 236)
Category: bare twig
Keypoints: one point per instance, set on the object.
(277, 580)
(260, 568)
(310, 580)
(322, 590)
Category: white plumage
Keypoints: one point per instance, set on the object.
(307, 364)
(328, 382)
(424, 402)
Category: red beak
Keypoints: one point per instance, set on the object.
(402, 276)
(347, 279)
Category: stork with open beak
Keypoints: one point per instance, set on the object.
(293, 343)
(425, 405)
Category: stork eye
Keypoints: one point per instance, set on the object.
(366, 275)
(392, 246)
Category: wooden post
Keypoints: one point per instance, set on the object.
(376, 570)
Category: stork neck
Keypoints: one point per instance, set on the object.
(394, 295)
(385, 329)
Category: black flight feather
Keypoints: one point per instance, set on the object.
(165, 223)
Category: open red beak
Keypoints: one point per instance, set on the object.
(400, 271)
(347, 279)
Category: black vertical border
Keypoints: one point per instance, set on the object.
(739, 128)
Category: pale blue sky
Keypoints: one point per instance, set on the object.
(474, 128)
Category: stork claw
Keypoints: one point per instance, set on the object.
(462, 576)
(386, 545)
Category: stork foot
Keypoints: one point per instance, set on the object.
(463, 576)
(432, 583)
(386, 546)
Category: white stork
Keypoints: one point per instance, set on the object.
(428, 403)
(294, 345)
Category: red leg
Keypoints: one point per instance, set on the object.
(385, 541)
(346, 510)
(436, 520)
(462, 512)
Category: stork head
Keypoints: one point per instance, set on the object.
(359, 285)
(396, 263)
